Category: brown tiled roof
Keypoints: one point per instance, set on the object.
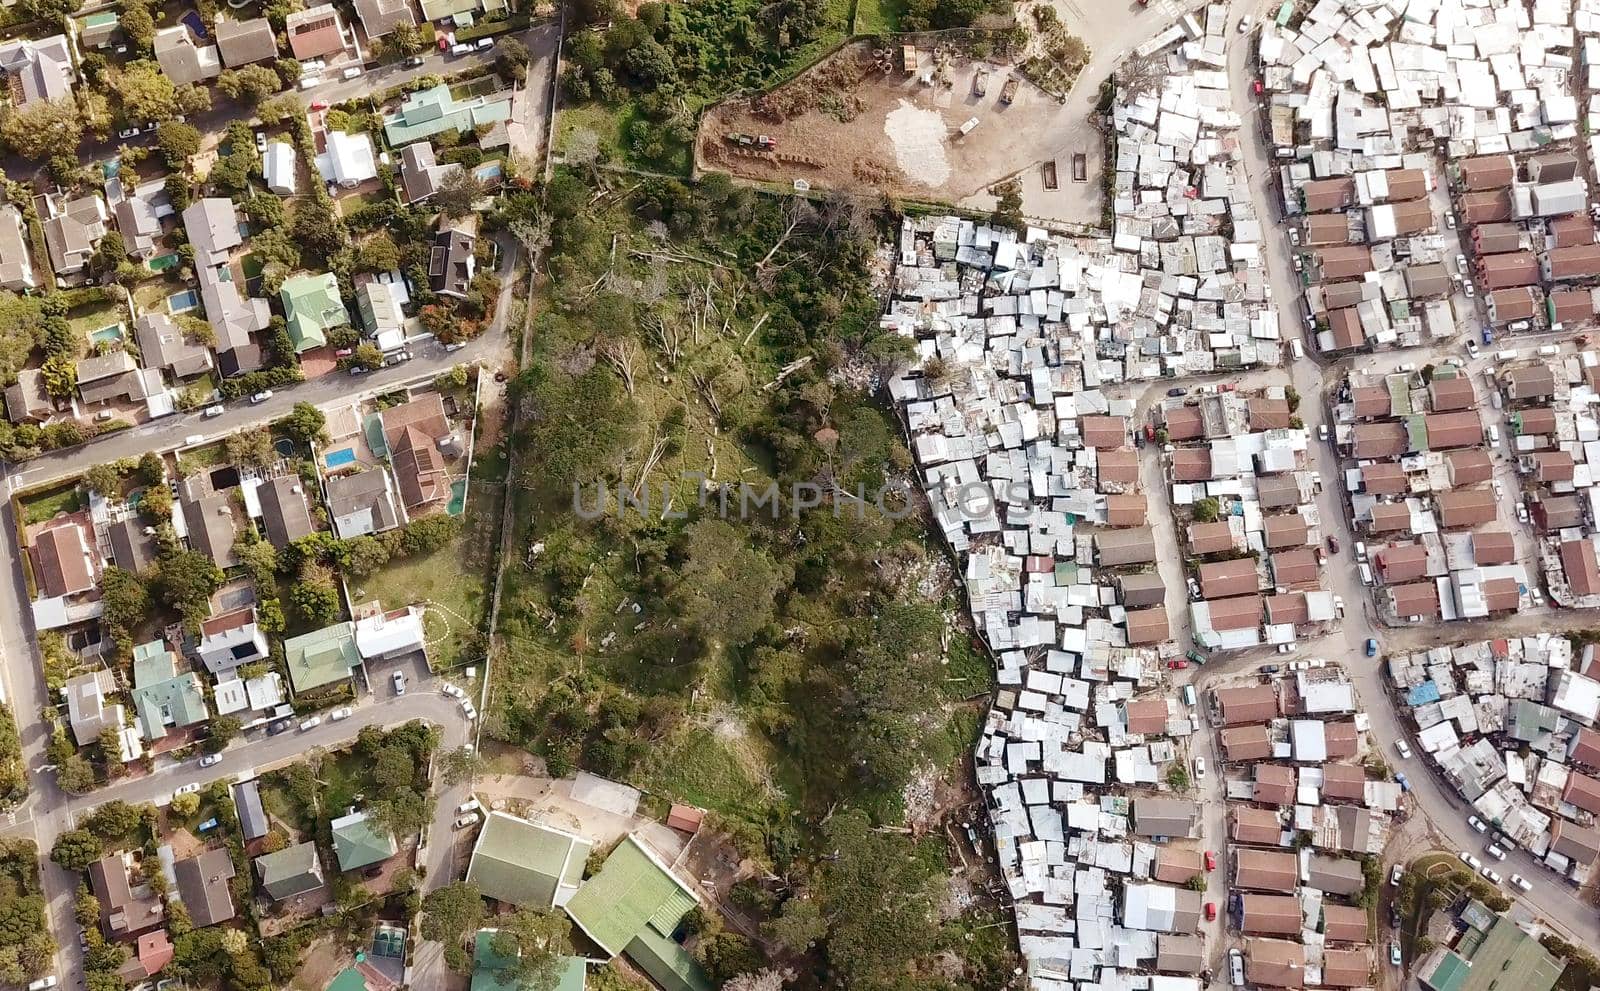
(1294, 567)
(1275, 963)
(1383, 478)
(1553, 513)
(1370, 401)
(1571, 306)
(1389, 516)
(1148, 715)
(1493, 239)
(1530, 381)
(1582, 791)
(1493, 547)
(1147, 626)
(1104, 432)
(1447, 430)
(1274, 914)
(1209, 538)
(1285, 530)
(1514, 268)
(1238, 613)
(1126, 510)
(1469, 466)
(1289, 608)
(1415, 599)
(1398, 563)
(1345, 781)
(1340, 738)
(1411, 216)
(1277, 491)
(1571, 230)
(1487, 172)
(1466, 507)
(1176, 865)
(1346, 968)
(1501, 594)
(1246, 743)
(1344, 924)
(1265, 870)
(1553, 466)
(1449, 394)
(1486, 206)
(1191, 464)
(1345, 263)
(1322, 195)
(1533, 420)
(1327, 228)
(1260, 826)
(1247, 704)
(1344, 325)
(1386, 439)
(1583, 571)
(1120, 466)
(1406, 184)
(1506, 305)
(1586, 748)
(1185, 423)
(1580, 843)
(1274, 785)
(1267, 413)
(1580, 261)
(1220, 579)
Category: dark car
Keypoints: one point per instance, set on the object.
(1269, 669)
(278, 726)
(1177, 391)
(415, 62)
(1333, 544)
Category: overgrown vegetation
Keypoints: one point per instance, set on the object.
(774, 667)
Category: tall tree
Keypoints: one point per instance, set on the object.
(538, 942)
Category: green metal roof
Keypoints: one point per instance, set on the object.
(311, 307)
(667, 963)
(434, 111)
(487, 964)
(162, 695)
(291, 871)
(526, 863)
(622, 900)
(356, 844)
(1509, 959)
(348, 979)
(321, 657)
(1450, 973)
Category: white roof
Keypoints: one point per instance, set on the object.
(381, 634)
(349, 158)
(277, 165)
(230, 697)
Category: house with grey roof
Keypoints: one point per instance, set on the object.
(163, 344)
(184, 60)
(16, 265)
(362, 503)
(72, 230)
(284, 514)
(213, 228)
(139, 213)
(421, 173)
(244, 42)
(205, 517)
(203, 887)
(452, 261)
(212, 224)
(132, 549)
(87, 710)
(110, 376)
(247, 803)
(380, 17)
(27, 401)
(379, 311)
(38, 69)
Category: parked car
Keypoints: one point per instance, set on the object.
(452, 690)
(1196, 657)
(1493, 850)
(1333, 544)
(207, 826)
(1477, 824)
(1177, 391)
(1211, 911)
(48, 981)
(484, 44)
(1394, 952)
(215, 411)
(311, 723)
(210, 760)
(1211, 860)
(1490, 874)
(278, 726)
(1522, 513)
(1236, 967)
(1521, 883)
(1269, 669)
(1472, 348)
(1256, 88)
(261, 141)
(465, 822)
(261, 397)
(1470, 860)
(1396, 874)
(1403, 781)
(1372, 646)
(415, 62)
(1402, 748)
(188, 789)
(343, 712)
(1468, 290)
(132, 132)
(470, 710)
(352, 72)
(1177, 665)
(470, 805)
(452, 348)
(398, 679)
(1199, 768)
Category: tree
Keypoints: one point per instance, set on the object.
(365, 555)
(305, 425)
(402, 812)
(76, 849)
(457, 194)
(318, 228)
(1008, 205)
(798, 925)
(152, 470)
(42, 128)
(538, 942)
(315, 596)
(124, 597)
(512, 59)
(60, 374)
(185, 581)
(378, 253)
(184, 806)
(875, 884)
(178, 143)
(249, 84)
(75, 774)
(726, 590)
(224, 729)
(460, 766)
(190, 100)
(110, 253)
(103, 479)
(448, 914)
(288, 70)
(1206, 510)
(146, 92)
(139, 26)
(393, 768)
(404, 40)
(275, 110)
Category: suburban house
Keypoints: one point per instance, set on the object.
(182, 59)
(72, 230)
(311, 308)
(421, 174)
(315, 33)
(263, 693)
(347, 159)
(356, 844)
(252, 817)
(87, 711)
(213, 228)
(277, 168)
(114, 376)
(396, 633)
(291, 871)
(27, 400)
(244, 42)
(205, 517)
(203, 887)
(461, 11)
(632, 907)
(126, 910)
(151, 952)
(361, 503)
(322, 657)
(452, 262)
(527, 864)
(164, 695)
(163, 344)
(139, 213)
(378, 310)
(16, 266)
(285, 517)
(379, 17)
(64, 561)
(231, 639)
(433, 111)
(487, 966)
(98, 30)
(38, 70)
(417, 439)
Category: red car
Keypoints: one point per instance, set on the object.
(319, 105)
(1211, 911)
(1150, 431)
(1256, 87)
(1177, 665)
(1211, 860)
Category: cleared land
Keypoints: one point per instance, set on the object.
(858, 121)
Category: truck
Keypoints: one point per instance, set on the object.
(761, 141)
(1008, 92)
(980, 81)
(967, 127)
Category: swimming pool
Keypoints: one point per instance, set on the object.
(340, 458)
(458, 497)
(106, 335)
(182, 302)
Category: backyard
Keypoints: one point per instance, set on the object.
(36, 507)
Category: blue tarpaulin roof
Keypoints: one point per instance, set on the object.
(1423, 694)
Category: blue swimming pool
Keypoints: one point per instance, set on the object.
(340, 458)
(183, 302)
(107, 335)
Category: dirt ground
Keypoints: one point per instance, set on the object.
(858, 121)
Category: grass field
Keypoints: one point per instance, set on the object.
(85, 320)
(610, 125)
(41, 506)
(720, 771)
(878, 16)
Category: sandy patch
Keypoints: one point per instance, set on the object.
(919, 136)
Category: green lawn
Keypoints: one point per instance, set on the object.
(344, 780)
(41, 506)
(610, 124)
(86, 320)
(878, 16)
(700, 767)
(278, 805)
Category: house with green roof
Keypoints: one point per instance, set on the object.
(356, 844)
(312, 307)
(487, 966)
(291, 871)
(321, 657)
(527, 864)
(632, 908)
(162, 694)
(436, 110)
(1485, 960)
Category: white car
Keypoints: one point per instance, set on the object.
(1396, 874)
(1402, 748)
(1490, 874)
(484, 44)
(1199, 768)
(399, 681)
(1470, 860)
(43, 983)
(1450, 221)
(1493, 850)
(1522, 512)
(470, 805)
(452, 690)
(1521, 883)
(1477, 824)
(210, 759)
(1236, 967)
(352, 72)
(261, 141)
(1461, 263)
(1246, 24)
(261, 397)
(466, 822)
(188, 789)
(311, 723)
(1468, 290)
(342, 712)
(469, 709)
(132, 132)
